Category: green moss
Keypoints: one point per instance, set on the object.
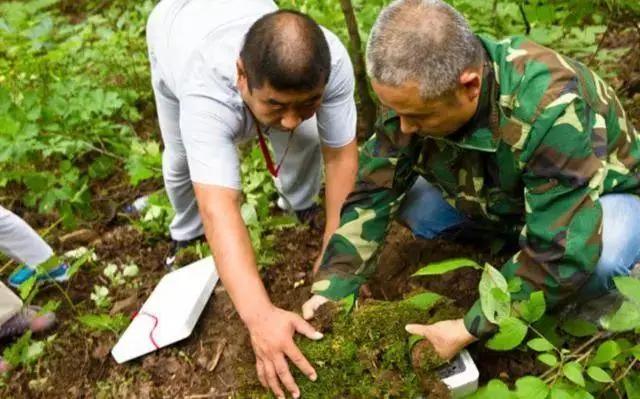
(366, 354)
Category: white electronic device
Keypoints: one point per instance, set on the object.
(460, 375)
(171, 311)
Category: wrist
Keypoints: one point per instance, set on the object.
(256, 313)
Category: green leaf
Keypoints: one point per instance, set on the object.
(495, 389)
(598, 374)
(446, 266)
(493, 309)
(512, 332)
(424, 301)
(635, 351)
(626, 318)
(27, 287)
(540, 345)
(348, 303)
(573, 372)
(531, 388)
(104, 322)
(565, 390)
(548, 358)
(632, 385)
(499, 295)
(515, 284)
(629, 287)
(534, 308)
(579, 328)
(24, 351)
(606, 352)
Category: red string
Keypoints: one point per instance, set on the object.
(155, 325)
(265, 152)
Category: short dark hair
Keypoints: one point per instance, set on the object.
(288, 50)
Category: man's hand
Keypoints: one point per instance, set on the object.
(312, 305)
(448, 337)
(272, 339)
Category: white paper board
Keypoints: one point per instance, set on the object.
(176, 304)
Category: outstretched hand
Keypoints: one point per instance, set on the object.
(448, 337)
(312, 305)
(272, 340)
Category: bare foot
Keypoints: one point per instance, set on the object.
(448, 337)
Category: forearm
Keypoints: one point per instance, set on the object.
(230, 245)
(341, 167)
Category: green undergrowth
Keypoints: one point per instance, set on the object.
(366, 354)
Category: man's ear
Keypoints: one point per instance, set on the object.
(471, 82)
(243, 80)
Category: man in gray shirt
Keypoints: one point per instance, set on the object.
(224, 71)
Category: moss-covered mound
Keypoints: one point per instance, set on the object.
(365, 354)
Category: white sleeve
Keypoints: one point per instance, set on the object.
(208, 125)
(337, 114)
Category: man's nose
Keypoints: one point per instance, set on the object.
(408, 127)
(290, 120)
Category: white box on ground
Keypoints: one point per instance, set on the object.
(461, 375)
(171, 311)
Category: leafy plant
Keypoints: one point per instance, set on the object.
(105, 322)
(604, 364)
(100, 297)
(25, 351)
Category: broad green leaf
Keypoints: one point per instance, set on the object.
(424, 301)
(626, 318)
(495, 389)
(632, 385)
(499, 295)
(606, 352)
(540, 345)
(548, 358)
(446, 266)
(493, 309)
(531, 388)
(579, 327)
(629, 287)
(511, 333)
(573, 372)
(534, 308)
(565, 390)
(599, 374)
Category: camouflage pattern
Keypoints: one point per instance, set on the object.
(549, 138)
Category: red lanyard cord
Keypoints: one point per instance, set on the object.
(273, 169)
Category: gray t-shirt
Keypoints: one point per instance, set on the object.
(195, 44)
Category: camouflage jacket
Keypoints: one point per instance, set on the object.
(548, 139)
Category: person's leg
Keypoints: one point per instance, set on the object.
(426, 213)
(620, 243)
(186, 224)
(301, 172)
(15, 319)
(20, 242)
(10, 304)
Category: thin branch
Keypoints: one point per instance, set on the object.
(527, 25)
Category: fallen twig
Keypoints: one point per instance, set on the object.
(216, 358)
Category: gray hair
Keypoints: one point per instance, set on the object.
(426, 41)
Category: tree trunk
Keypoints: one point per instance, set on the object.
(367, 110)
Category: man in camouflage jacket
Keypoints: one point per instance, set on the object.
(521, 140)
